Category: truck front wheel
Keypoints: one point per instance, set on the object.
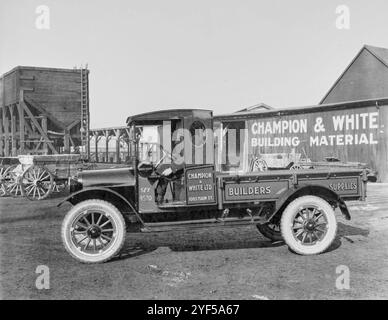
(93, 231)
(308, 225)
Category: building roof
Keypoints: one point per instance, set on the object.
(30, 68)
(240, 116)
(365, 83)
(256, 108)
(379, 53)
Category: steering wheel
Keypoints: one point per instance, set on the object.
(146, 164)
(165, 155)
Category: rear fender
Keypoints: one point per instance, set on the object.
(319, 191)
(100, 193)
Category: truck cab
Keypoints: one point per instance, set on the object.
(173, 180)
(167, 147)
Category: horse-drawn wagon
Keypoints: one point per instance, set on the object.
(37, 176)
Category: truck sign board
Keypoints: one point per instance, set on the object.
(341, 185)
(251, 191)
(200, 185)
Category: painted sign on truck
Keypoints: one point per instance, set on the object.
(251, 191)
(200, 185)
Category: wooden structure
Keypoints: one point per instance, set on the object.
(109, 145)
(44, 111)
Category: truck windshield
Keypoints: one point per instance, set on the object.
(150, 147)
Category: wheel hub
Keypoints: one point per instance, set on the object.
(310, 225)
(94, 232)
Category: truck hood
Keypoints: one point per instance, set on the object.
(107, 177)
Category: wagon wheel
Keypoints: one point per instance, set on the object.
(38, 183)
(3, 186)
(296, 166)
(259, 165)
(12, 182)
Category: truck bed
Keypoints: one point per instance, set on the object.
(349, 184)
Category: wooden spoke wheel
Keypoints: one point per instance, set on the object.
(37, 183)
(3, 186)
(93, 231)
(296, 166)
(308, 225)
(12, 182)
(259, 165)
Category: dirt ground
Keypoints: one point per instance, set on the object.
(213, 263)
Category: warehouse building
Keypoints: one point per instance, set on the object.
(348, 124)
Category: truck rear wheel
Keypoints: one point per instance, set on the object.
(308, 225)
(270, 230)
(93, 231)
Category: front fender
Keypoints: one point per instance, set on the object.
(319, 191)
(87, 190)
(105, 190)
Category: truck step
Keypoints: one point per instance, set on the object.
(205, 223)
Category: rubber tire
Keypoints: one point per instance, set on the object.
(117, 218)
(287, 219)
(269, 233)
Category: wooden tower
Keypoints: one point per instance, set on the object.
(44, 111)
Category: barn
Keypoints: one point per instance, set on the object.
(348, 124)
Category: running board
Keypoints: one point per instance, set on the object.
(205, 223)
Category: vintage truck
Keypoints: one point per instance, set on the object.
(172, 182)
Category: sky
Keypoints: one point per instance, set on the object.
(222, 55)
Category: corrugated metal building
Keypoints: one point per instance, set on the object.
(349, 123)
